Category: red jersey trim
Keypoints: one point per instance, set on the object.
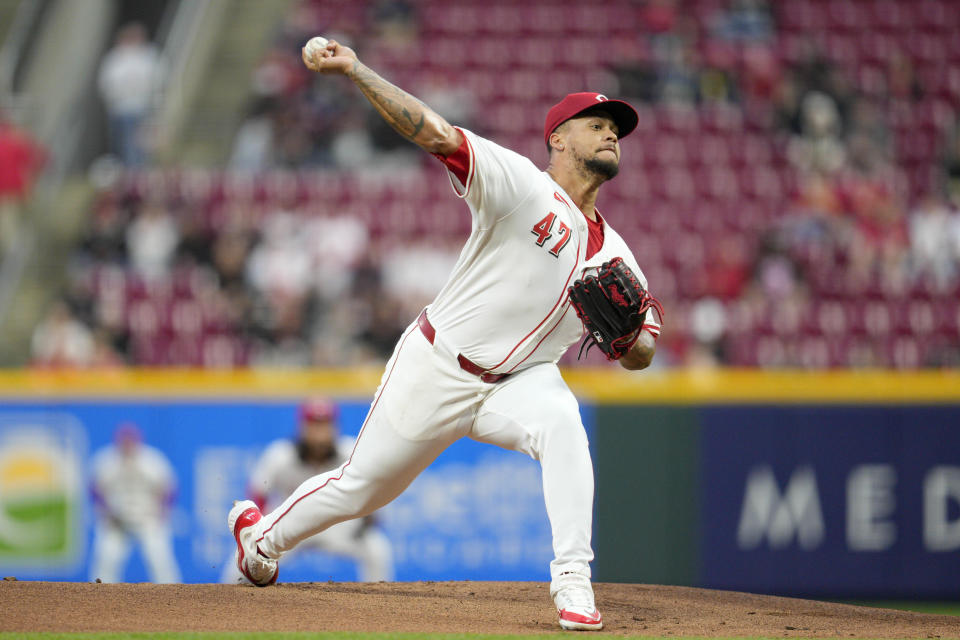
(595, 234)
(359, 435)
(532, 351)
(461, 163)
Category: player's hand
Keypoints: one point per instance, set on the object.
(335, 58)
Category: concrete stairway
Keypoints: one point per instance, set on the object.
(246, 30)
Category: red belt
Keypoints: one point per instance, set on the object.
(470, 367)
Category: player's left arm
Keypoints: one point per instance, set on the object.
(641, 353)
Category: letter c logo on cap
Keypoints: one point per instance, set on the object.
(601, 97)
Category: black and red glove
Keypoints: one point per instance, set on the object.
(612, 306)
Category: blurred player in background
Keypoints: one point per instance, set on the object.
(286, 464)
(133, 489)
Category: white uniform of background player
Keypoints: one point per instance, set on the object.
(133, 486)
(288, 463)
(480, 362)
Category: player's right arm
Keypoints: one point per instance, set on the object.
(410, 117)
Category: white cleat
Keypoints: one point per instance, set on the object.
(256, 568)
(573, 595)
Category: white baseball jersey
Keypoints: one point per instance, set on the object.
(135, 489)
(505, 306)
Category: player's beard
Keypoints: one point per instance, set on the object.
(606, 169)
(315, 452)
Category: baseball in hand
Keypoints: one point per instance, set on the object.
(316, 45)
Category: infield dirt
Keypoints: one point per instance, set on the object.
(442, 607)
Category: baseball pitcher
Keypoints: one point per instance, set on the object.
(540, 269)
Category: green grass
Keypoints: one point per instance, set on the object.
(338, 635)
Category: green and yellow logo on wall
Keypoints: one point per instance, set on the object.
(41, 489)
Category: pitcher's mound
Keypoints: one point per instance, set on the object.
(446, 607)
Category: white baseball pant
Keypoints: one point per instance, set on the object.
(111, 549)
(426, 402)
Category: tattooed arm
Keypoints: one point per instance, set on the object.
(411, 118)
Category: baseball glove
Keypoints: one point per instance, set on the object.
(612, 306)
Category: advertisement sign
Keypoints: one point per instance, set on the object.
(476, 513)
(42, 502)
(840, 501)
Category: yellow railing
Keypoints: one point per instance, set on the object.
(603, 385)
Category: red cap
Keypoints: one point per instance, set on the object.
(127, 433)
(318, 409)
(623, 114)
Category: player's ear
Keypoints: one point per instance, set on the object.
(556, 141)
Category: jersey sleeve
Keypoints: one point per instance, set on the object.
(493, 180)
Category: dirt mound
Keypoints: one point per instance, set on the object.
(482, 607)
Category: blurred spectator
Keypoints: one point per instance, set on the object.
(279, 266)
(707, 326)
(934, 235)
(744, 20)
(352, 148)
(253, 143)
(659, 16)
(106, 230)
(60, 340)
(394, 21)
(786, 104)
(819, 149)
(951, 167)
(636, 79)
(679, 72)
(729, 272)
(317, 447)
(20, 159)
(230, 251)
(415, 272)
(776, 275)
(902, 81)
(278, 76)
(451, 100)
(279, 273)
(151, 241)
(130, 80)
(337, 245)
(761, 72)
(105, 354)
(382, 325)
(868, 136)
(133, 488)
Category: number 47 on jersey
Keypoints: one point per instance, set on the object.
(544, 231)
